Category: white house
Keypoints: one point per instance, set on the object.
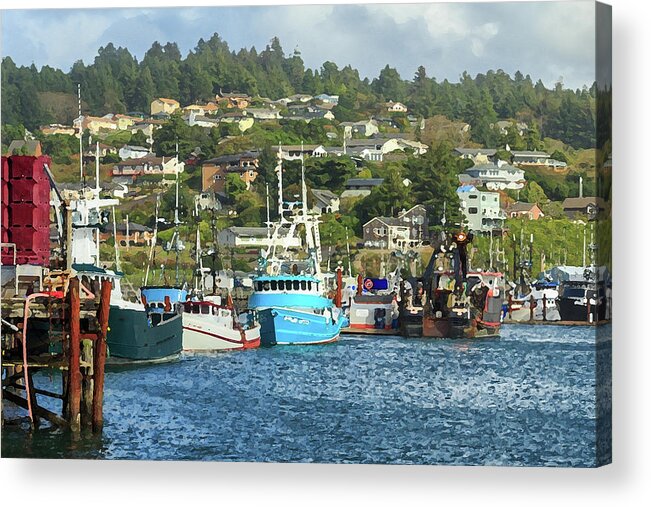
(328, 99)
(477, 155)
(200, 120)
(365, 128)
(295, 152)
(530, 157)
(253, 237)
(500, 176)
(481, 209)
(128, 151)
(264, 114)
(324, 201)
(396, 107)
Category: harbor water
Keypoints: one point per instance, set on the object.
(524, 399)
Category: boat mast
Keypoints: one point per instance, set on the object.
(350, 269)
(268, 217)
(198, 282)
(153, 241)
(115, 243)
(279, 171)
(176, 218)
(97, 195)
(81, 135)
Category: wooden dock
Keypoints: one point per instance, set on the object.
(59, 330)
(555, 323)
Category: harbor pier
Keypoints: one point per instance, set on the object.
(62, 328)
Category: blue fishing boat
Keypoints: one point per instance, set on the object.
(292, 311)
(289, 289)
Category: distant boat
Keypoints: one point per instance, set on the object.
(583, 300)
(374, 309)
(452, 303)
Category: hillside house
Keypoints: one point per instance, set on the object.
(95, 124)
(130, 170)
(324, 201)
(264, 114)
(56, 128)
(233, 100)
(579, 206)
(243, 121)
(479, 156)
(295, 152)
(128, 151)
(481, 209)
(408, 229)
(525, 210)
(395, 107)
(366, 128)
(214, 171)
(530, 157)
(133, 235)
(500, 176)
(356, 187)
(253, 237)
(200, 120)
(328, 99)
(163, 105)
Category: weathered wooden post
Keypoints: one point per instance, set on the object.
(340, 284)
(510, 305)
(74, 373)
(532, 306)
(544, 309)
(99, 356)
(360, 284)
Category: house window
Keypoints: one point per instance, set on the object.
(472, 211)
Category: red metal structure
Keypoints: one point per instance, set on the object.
(26, 209)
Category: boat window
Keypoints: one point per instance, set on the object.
(274, 285)
(309, 285)
(155, 319)
(215, 310)
(161, 305)
(296, 284)
(303, 285)
(281, 284)
(187, 307)
(205, 309)
(195, 308)
(265, 285)
(573, 292)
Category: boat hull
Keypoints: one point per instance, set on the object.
(577, 311)
(283, 326)
(202, 335)
(132, 338)
(414, 325)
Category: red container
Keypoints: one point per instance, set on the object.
(4, 188)
(32, 245)
(25, 166)
(29, 215)
(30, 191)
(5, 169)
(4, 217)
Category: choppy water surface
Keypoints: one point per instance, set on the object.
(527, 398)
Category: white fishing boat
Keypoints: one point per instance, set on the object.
(210, 324)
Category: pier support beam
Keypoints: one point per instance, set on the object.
(74, 373)
(99, 356)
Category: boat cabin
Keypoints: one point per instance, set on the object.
(287, 285)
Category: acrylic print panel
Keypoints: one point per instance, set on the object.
(313, 240)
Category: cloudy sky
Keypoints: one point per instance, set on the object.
(548, 40)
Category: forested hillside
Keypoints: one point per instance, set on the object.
(117, 82)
